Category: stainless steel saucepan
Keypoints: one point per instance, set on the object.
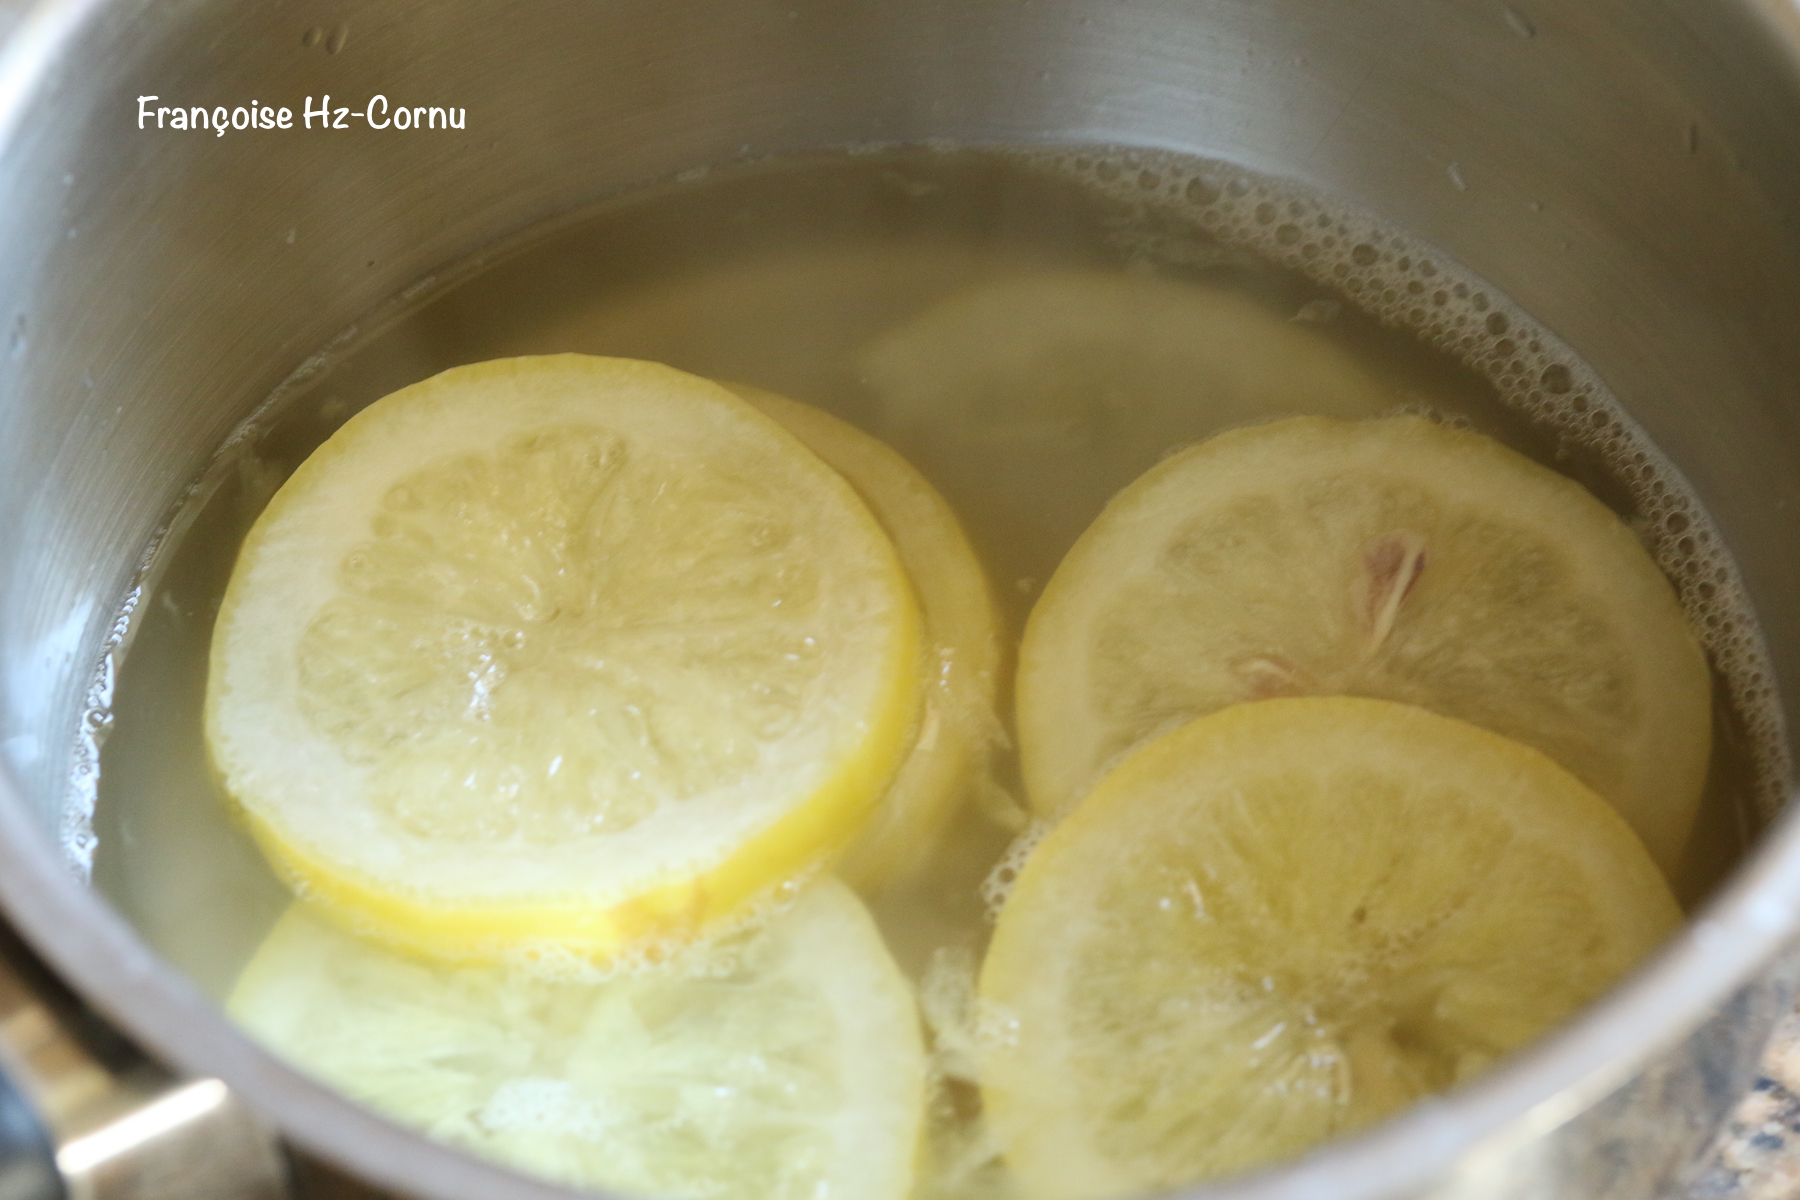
(1627, 170)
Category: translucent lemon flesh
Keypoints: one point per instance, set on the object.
(959, 726)
(1086, 378)
(786, 1065)
(569, 649)
(1287, 920)
(1098, 363)
(1392, 558)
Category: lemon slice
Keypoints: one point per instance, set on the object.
(1287, 920)
(570, 650)
(787, 1066)
(1087, 378)
(1394, 558)
(959, 727)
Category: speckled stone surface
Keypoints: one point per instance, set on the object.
(1757, 1155)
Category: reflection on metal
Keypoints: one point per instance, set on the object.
(122, 1128)
(160, 1117)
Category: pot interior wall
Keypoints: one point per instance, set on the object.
(1627, 170)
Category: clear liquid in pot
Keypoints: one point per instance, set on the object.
(785, 275)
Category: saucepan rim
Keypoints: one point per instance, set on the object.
(1730, 939)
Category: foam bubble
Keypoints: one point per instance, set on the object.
(1408, 284)
(999, 882)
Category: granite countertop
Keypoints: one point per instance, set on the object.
(1757, 1155)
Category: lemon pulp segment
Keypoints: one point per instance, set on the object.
(1287, 920)
(959, 725)
(1394, 558)
(563, 649)
(786, 1064)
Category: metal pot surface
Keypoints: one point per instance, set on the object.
(1627, 171)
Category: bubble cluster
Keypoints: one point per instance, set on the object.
(727, 946)
(999, 882)
(948, 1002)
(75, 831)
(1177, 201)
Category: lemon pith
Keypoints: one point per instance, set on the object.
(1285, 920)
(959, 725)
(566, 649)
(1394, 558)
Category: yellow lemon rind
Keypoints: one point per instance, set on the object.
(959, 726)
(1045, 1114)
(790, 848)
(1660, 801)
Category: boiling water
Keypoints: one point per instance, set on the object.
(795, 276)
